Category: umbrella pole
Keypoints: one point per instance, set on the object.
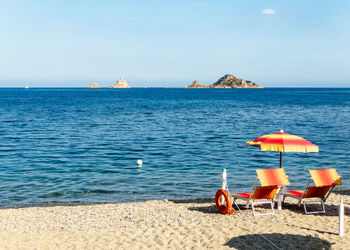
(280, 159)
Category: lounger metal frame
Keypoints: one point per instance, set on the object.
(304, 201)
(252, 202)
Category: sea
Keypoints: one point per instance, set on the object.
(76, 145)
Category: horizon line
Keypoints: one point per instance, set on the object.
(159, 87)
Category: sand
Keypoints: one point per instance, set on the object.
(193, 224)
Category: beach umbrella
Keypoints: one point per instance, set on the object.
(283, 142)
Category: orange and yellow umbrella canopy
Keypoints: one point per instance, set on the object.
(283, 142)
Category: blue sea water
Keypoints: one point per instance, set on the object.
(81, 145)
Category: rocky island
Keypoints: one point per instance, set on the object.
(93, 86)
(230, 81)
(120, 84)
(197, 85)
(227, 81)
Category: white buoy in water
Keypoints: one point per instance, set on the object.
(341, 217)
(139, 163)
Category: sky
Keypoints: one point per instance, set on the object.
(281, 43)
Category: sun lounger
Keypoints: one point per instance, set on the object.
(325, 180)
(272, 181)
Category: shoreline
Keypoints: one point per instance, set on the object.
(171, 224)
(87, 203)
(207, 199)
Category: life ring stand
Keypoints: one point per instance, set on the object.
(223, 202)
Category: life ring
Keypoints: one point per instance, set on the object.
(223, 202)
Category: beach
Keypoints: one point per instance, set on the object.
(186, 224)
(120, 120)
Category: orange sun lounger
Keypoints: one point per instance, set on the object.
(272, 181)
(325, 180)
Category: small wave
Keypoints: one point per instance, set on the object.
(8, 150)
(101, 191)
(53, 194)
(109, 171)
(10, 121)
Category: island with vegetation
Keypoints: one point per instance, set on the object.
(227, 81)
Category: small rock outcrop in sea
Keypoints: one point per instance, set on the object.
(196, 85)
(120, 84)
(93, 86)
(230, 81)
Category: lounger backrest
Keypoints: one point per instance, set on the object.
(316, 192)
(267, 192)
(272, 177)
(325, 177)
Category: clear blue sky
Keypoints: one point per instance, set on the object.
(171, 43)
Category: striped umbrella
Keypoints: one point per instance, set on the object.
(283, 142)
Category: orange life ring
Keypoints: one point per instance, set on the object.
(223, 202)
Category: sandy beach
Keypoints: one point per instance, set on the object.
(193, 224)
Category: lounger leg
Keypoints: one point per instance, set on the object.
(304, 208)
(323, 208)
(315, 212)
(299, 203)
(271, 204)
(234, 202)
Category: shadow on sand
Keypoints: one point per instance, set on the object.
(331, 210)
(282, 241)
(207, 209)
(213, 210)
(195, 201)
